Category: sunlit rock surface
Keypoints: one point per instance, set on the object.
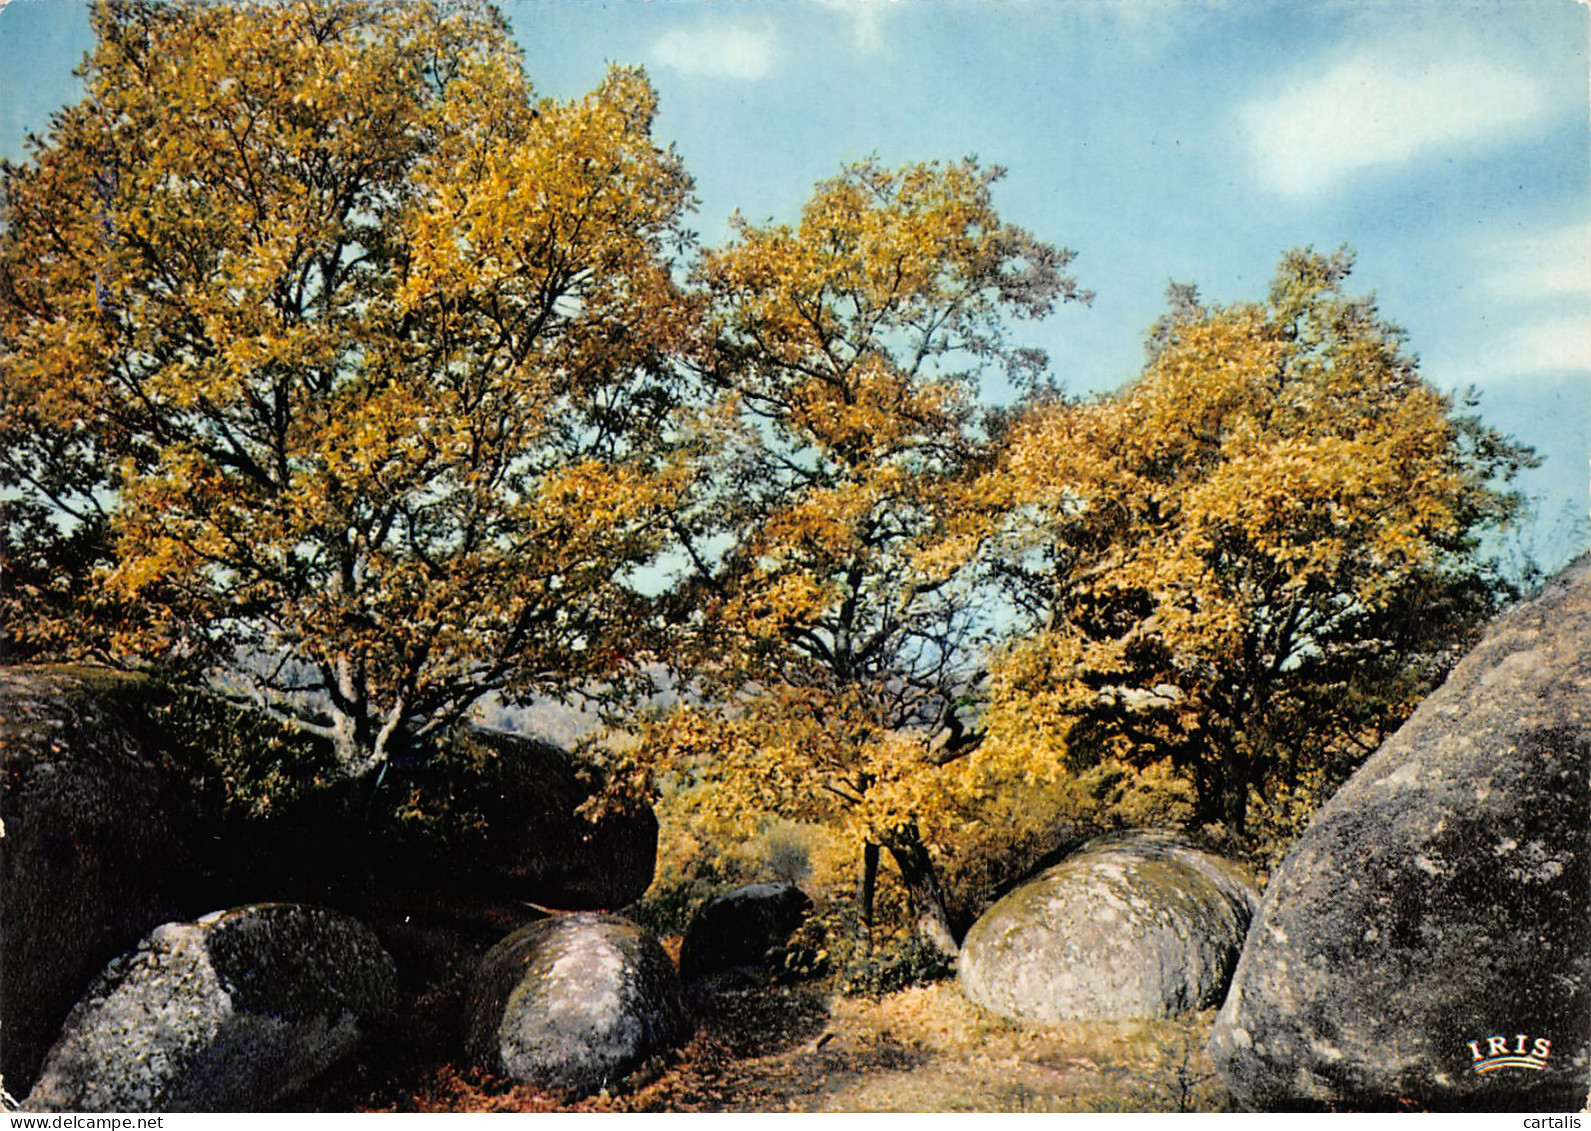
(1441, 899)
(574, 1003)
(1142, 925)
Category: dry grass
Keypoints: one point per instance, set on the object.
(766, 1048)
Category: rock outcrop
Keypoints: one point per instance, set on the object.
(526, 837)
(234, 1012)
(126, 805)
(95, 850)
(740, 927)
(1140, 925)
(1433, 918)
(574, 1003)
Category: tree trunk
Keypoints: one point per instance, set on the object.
(1234, 804)
(927, 898)
(867, 888)
(1223, 790)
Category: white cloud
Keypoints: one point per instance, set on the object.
(1513, 358)
(1541, 282)
(1533, 309)
(1549, 264)
(1551, 345)
(1382, 106)
(866, 18)
(718, 50)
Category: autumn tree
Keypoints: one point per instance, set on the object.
(1246, 567)
(830, 605)
(345, 358)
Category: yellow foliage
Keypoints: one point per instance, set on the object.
(829, 638)
(367, 353)
(1248, 563)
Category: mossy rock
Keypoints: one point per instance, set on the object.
(575, 1003)
(1439, 899)
(99, 845)
(741, 927)
(502, 816)
(127, 804)
(234, 1012)
(1140, 925)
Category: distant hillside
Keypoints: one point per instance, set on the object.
(563, 723)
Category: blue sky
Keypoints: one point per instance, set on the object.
(1448, 142)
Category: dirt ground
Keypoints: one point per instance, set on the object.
(771, 1048)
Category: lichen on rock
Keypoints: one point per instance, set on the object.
(1439, 899)
(98, 848)
(1140, 925)
(574, 1003)
(234, 1012)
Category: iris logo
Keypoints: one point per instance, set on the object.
(1521, 1052)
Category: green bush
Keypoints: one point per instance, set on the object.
(677, 892)
(244, 764)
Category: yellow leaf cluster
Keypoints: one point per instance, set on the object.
(371, 355)
(1208, 551)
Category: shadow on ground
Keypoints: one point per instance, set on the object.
(764, 1047)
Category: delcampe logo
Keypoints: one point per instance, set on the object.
(1501, 1052)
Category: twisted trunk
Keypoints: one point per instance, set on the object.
(927, 897)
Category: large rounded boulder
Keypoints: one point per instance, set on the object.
(505, 816)
(741, 927)
(1135, 926)
(1427, 941)
(96, 846)
(574, 1003)
(234, 1012)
